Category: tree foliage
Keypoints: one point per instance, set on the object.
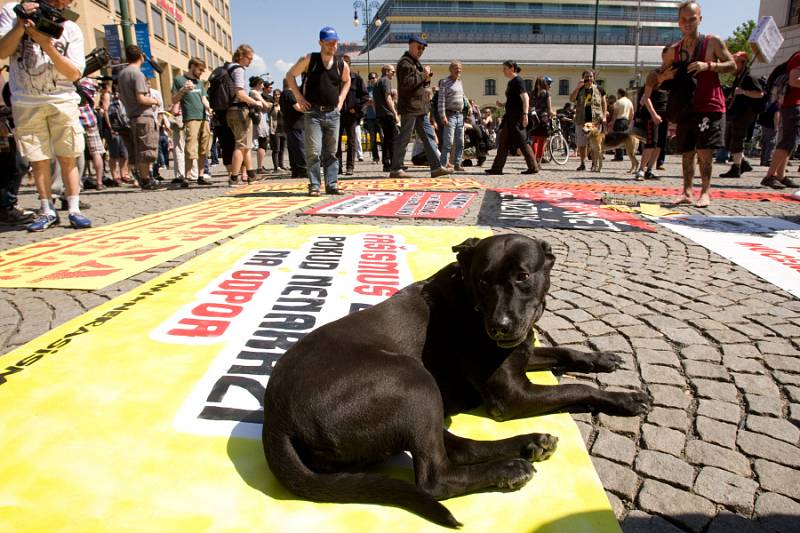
(738, 41)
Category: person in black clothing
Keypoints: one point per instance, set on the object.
(652, 112)
(385, 110)
(352, 112)
(11, 169)
(326, 81)
(741, 115)
(515, 122)
(293, 127)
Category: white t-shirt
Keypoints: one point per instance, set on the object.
(33, 77)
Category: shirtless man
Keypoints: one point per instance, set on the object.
(703, 130)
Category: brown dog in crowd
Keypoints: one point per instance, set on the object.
(600, 142)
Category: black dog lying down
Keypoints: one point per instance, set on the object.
(381, 381)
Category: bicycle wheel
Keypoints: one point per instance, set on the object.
(558, 149)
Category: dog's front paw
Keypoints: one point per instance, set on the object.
(633, 403)
(540, 447)
(514, 474)
(605, 361)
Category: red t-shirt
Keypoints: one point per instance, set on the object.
(792, 96)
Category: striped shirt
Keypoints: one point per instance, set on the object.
(451, 96)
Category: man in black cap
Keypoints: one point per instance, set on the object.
(413, 82)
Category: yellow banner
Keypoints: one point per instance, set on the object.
(378, 184)
(144, 414)
(95, 258)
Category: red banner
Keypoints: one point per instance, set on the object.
(400, 204)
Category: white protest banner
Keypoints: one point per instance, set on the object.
(766, 39)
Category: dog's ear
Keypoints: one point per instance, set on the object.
(464, 251)
(549, 258)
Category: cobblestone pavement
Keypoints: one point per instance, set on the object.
(716, 347)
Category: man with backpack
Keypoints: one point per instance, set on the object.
(745, 105)
(784, 82)
(696, 63)
(141, 138)
(228, 96)
(326, 81)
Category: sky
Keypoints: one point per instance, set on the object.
(281, 31)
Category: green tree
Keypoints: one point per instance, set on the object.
(738, 43)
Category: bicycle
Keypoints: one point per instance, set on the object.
(557, 147)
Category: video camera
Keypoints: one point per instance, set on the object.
(95, 60)
(47, 19)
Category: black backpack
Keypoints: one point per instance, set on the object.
(681, 88)
(221, 89)
(117, 116)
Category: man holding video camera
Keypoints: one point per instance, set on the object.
(42, 69)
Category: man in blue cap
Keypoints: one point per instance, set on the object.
(326, 80)
(414, 105)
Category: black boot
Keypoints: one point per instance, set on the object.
(734, 172)
(746, 166)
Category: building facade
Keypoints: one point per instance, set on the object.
(179, 29)
(787, 16)
(546, 37)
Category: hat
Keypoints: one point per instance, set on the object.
(328, 34)
(414, 38)
(548, 80)
(741, 56)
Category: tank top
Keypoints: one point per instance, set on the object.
(708, 95)
(321, 86)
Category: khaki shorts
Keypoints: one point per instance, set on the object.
(48, 130)
(581, 141)
(242, 127)
(198, 139)
(141, 140)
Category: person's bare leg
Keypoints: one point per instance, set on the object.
(582, 154)
(236, 162)
(688, 177)
(737, 158)
(99, 170)
(187, 167)
(780, 161)
(43, 179)
(705, 162)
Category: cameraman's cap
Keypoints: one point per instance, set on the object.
(328, 34)
(417, 39)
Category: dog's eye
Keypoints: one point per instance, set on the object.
(523, 276)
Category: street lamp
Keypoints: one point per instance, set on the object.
(366, 8)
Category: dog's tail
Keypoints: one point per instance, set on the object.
(286, 465)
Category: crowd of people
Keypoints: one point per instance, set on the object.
(66, 129)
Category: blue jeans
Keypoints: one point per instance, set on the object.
(321, 134)
(422, 125)
(455, 126)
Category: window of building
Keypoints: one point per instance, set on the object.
(172, 35)
(563, 87)
(189, 11)
(179, 4)
(205, 20)
(192, 46)
(218, 35)
(529, 85)
(141, 11)
(201, 52)
(103, 3)
(536, 29)
(157, 24)
(117, 7)
(794, 13)
(490, 87)
(227, 13)
(197, 12)
(182, 40)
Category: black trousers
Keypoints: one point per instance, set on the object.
(373, 128)
(277, 144)
(347, 126)
(297, 152)
(11, 171)
(388, 134)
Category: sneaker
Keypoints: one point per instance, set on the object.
(204, 180)
(78, 221)
(333, 190)
(184, 183)
(232, 180)
(13, 216)
(746, 166)
(397, 174)
(89, 184)
(640, 175)
(773, 182)
(361, 159)
(177, 181)
(349, 172)
(493, 172)
(109, 182)
(648, 175)
(582, 167)
(459, 168)
(313, 191)
(149, 185)
(43, 221)
(530, 171)
(81, 204)
(790, 183)
(659, 167)
(734, 172)
(441, 171)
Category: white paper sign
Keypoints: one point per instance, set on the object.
(767, 247)
(766, 39)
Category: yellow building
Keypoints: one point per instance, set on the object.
(179, 29)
